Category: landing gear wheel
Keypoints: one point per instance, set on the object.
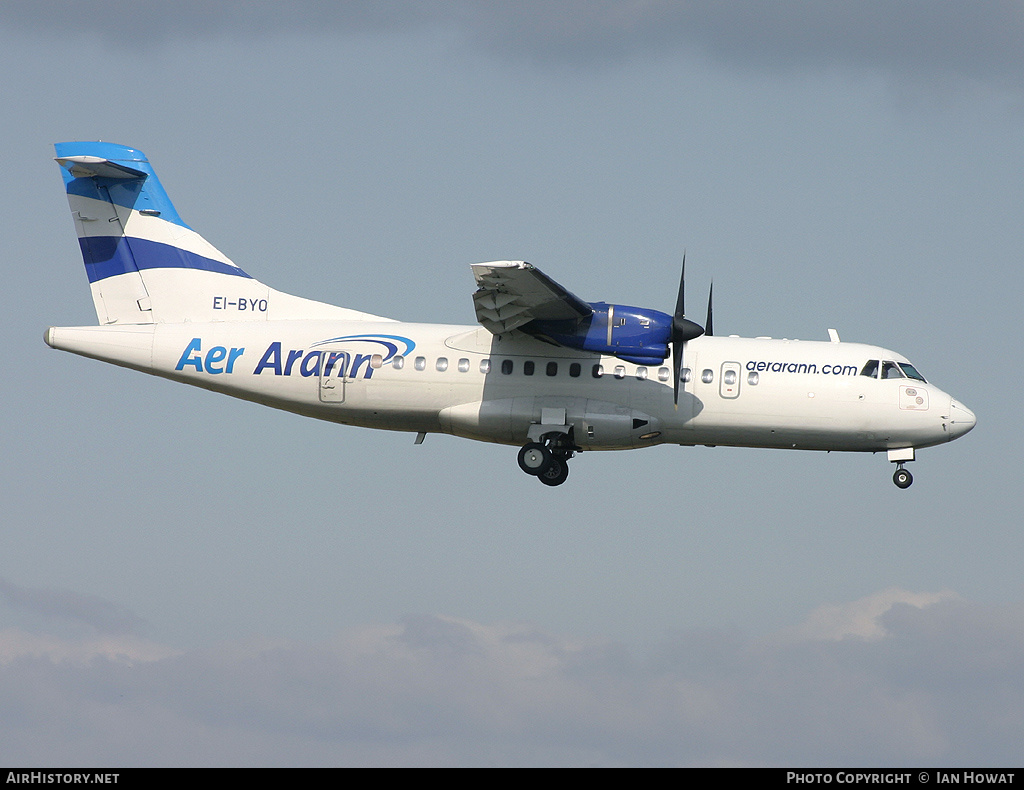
(534, 459)
(556, 473)
(902, 478)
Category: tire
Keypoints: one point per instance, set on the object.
(902, 478)
(534, 459)
(556, 473)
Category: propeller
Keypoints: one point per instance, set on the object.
(683, 329)
(707, 324)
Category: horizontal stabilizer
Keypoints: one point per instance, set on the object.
(97, 167)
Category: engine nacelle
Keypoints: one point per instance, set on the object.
(596, 425)
(634, 334)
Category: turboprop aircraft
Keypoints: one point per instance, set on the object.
(543, 370)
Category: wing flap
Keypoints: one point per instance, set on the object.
(511, 294)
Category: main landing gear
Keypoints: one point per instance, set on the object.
(548, 462)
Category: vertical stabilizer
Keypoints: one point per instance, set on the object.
(145, 265)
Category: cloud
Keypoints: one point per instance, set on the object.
(922, 40)
(17, 644)
(98, 613)
(896, 678)
(864, 618)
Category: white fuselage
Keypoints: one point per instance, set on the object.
(542, 369)
(428, 378)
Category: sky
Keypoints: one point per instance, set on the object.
(186, 579)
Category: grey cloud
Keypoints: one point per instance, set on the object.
(910, 38)
(940, 686)
(128, 23)
(98, 613)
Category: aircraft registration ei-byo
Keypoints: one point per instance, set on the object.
(544, 369)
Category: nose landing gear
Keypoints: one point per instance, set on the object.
(902, 478)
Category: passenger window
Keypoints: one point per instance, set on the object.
(753, 378)
(707, 376)
(442, 364)
(620, 372)
(729, 377)
(398, 362)
(463, 366)
(597, 371)
(485, 366)
(663, 374)
(528, 367)
(574, 370)
(506, 366)
(685, 375)
(552, 369)
(420, 363)
(871, 369)
(641, 374)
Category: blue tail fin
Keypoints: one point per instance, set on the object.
(145, 265)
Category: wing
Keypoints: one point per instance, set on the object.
(511, 294)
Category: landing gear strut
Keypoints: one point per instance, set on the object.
(548, 462)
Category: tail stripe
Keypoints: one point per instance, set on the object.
(109, 256)
(99, 209)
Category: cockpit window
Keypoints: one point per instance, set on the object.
(911, 371)
(890, 370)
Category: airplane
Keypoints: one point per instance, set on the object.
(542, 369)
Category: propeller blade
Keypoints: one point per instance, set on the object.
(677, 364)
(683, 329)
(680, 301)
(677, 348)
(707, 324)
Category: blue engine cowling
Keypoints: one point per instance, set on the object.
(634, 334)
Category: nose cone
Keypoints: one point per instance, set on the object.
(961, 420)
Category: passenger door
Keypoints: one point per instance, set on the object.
(334, 367)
